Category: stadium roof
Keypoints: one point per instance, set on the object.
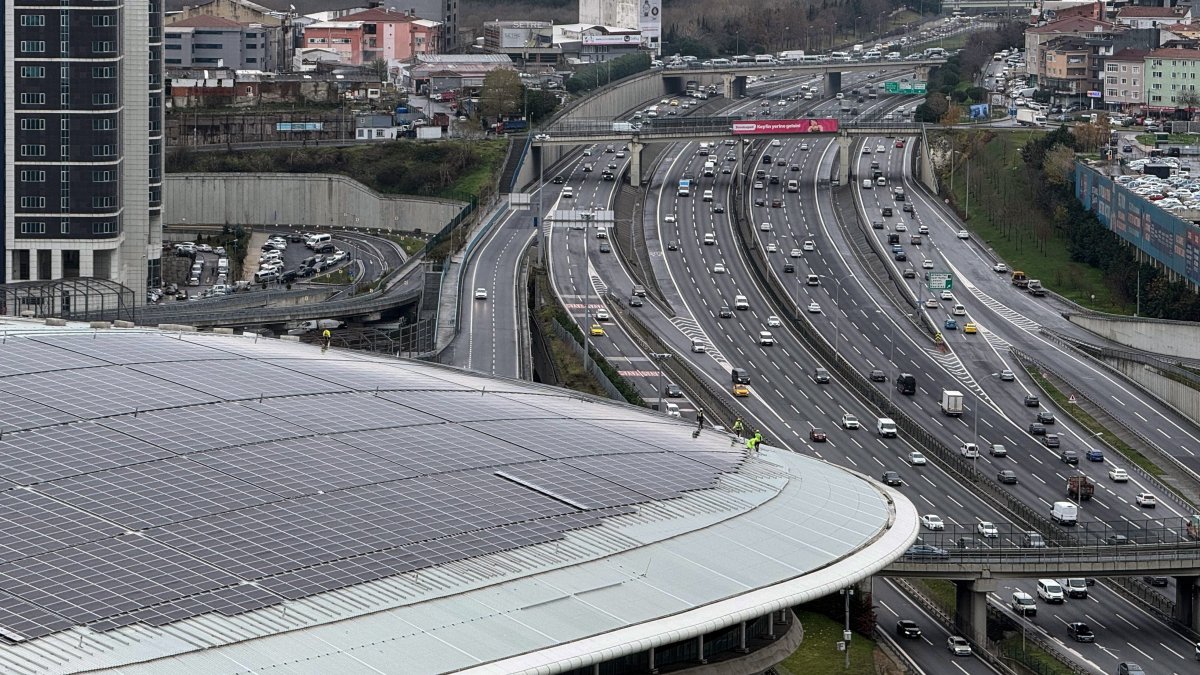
(215, 503)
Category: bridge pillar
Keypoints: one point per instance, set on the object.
(845, 159)
(833, 82)
(970, 616)
(635, 162)
(1187, 602)
(922, 73)
(735, 85)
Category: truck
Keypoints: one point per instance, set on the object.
(1030, 118)
(429, 133)
(952, 403)
(685, 188)
(624, 127)
(501, 127)
(1064, 513)
(1080, 488)
(1019, 279)
(1035, 288)
(857, 49)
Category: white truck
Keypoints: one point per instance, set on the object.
(1030, 118)
(1064, 513)
(952, 402)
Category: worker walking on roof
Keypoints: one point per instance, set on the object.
(699, 420)
(326, 336)
(738, 426)
(754, 440)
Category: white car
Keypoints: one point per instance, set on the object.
(969, 450)
(814, 308)
(849, 421)
(924, 229)
(765, 227)
(1118, 475)
(719, 268)
(932, 303)
(758, 185)
(670, 218)
(775, 142)
(901, 227)
(804, 147)
(772, 248)
(958, 646)
(602, 315)
(880, 148)
(796, 253)
(963, 234)
(932, 522)
(987, 529)
(1145, 499)
(774, 322)
(916, 459)
(481, 294)
(947, 295)
(927, 264)
(542, 137)
(999, 267)
(809, 245)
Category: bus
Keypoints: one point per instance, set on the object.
(743, 58)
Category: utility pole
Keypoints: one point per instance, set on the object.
(846, 593)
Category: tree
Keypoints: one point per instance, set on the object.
(953, 115)
(1189, 100)
(1058, 165)
(378, 68)
(501, 94)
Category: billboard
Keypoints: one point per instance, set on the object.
(980, 111)
(299, 126)
(612, 40)
(1164, 236)
(812, 126)
(650, 23)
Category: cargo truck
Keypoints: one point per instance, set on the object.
(1080, 488)
(1035, 288)
(952, 403)
(1030, 118)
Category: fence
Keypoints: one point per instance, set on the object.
(588, 363)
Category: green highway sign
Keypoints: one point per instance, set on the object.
(941, 281)
(905, 88)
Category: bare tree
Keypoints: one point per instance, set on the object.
(1058, 164)
(1188, 99)
(501, 94)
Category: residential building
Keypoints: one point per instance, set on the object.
(451, 74)
(1076, 26)
(1138, 16)
(376, 33)
(1172, 77)
(1124, 80)
(1067, 68)
(214, 41)
(585, 43)
(277, 22)
(644, 16)
(83, 130)
(530, 44)
(444, 12)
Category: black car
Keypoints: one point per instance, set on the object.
(1032, 402)
(672, 246)
(635, 301)
(887, 211)
(910, 273)
(817, 435)
(1117, 539)
(725, 312)
(789, 268)
(766, 159)
(773, 180)
(559, 180)
(604, 247)
(900, 197)
(907, 208)
(1051, 441)
(927, 551)
(1156, 581)
(673, 391)
(1080, 632)
(1068, 457)
(1045, 417)
(891, 478)
(877, 376)
(760, 201)
(908, 628)
(1037, 429)
(718, 209)
(288, 276)
(1007, 477)
(901, 256)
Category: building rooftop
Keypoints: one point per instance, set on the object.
(1072, 24)
(205, 21)
(1173, 53)
(226, 504)
(1140, 12)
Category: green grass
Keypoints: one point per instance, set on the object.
(1091, 424)
(1035, 659)
(940, 591)
(818, 653)
(478, 181)
(1175, 139)
(1022, 236)
(411, 245)
(336, 278)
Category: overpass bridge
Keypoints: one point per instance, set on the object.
(733, 78)
(1093, 549)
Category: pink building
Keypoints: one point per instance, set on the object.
(378, 33)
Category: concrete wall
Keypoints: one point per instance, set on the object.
(1180, 339)
(1180, 396)
(316, 200)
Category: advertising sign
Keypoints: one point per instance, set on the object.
(813, 126)
(1095, 94)
(980, 111)
(1167, 238)
(299, 126)
(650, 22)
(611, 40)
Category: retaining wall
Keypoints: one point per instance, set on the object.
(316, 200)
(1178, 339)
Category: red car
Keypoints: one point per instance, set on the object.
(899, 143)
(816, 435)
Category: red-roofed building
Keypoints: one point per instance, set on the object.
(1037, 37)
(1125, 79)
(1137, 16)
(377, 33)
(205, 41)
(1169, 74)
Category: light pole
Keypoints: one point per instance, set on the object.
(846, 593)
(659, 358)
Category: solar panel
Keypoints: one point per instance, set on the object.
(24, 355)
(332, 413)
(18, 412)
(461, 406)
(21, 620)
(35, 523)
(40, 455)
(97, 392)
(437, 448)
(658, 476)
(156, 493)
(115, 347)
(238, 379)
(203, 427)
(561, 438)
(569, 484)
(372, 375)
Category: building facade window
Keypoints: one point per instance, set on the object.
(107, 227)
(33, 71)
(103, 72)
(33, 151)
(33, 19)
(103, 20)
(104, 176)
(33, 46)
(33, 227)
(33, 176)
(33, 202)
(33, 124)
(100, 202)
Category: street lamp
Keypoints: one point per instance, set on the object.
(659, 358)
(846, 593)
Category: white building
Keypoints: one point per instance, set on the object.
(641, 15)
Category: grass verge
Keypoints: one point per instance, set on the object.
(1033, 659)
(1091, 424)
(818, 652)
(940, 591)
(1023, 237)
(1176, 139)
(336, 278)
(478, 181)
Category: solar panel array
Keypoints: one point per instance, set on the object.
(148, 478)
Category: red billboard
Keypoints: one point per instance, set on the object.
(813, 126)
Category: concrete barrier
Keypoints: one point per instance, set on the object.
(1179, 339)
(309, 199)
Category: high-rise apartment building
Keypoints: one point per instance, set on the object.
(83, 141)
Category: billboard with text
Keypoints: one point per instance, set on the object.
(650, 23)
(823, 125)
(1166, 237)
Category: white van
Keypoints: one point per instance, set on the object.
(316, 241)
(1050, 591)
(710, 169)
(867, 184)
(602, 232)
(886, 427)
(740, 302)
(881, 181)
(708, 195)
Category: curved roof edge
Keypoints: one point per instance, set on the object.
(900, 534)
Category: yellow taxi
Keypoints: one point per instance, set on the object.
(597, 330)
(741, 390)
(970, 327)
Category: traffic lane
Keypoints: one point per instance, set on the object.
(492, 322)
(929, 651)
